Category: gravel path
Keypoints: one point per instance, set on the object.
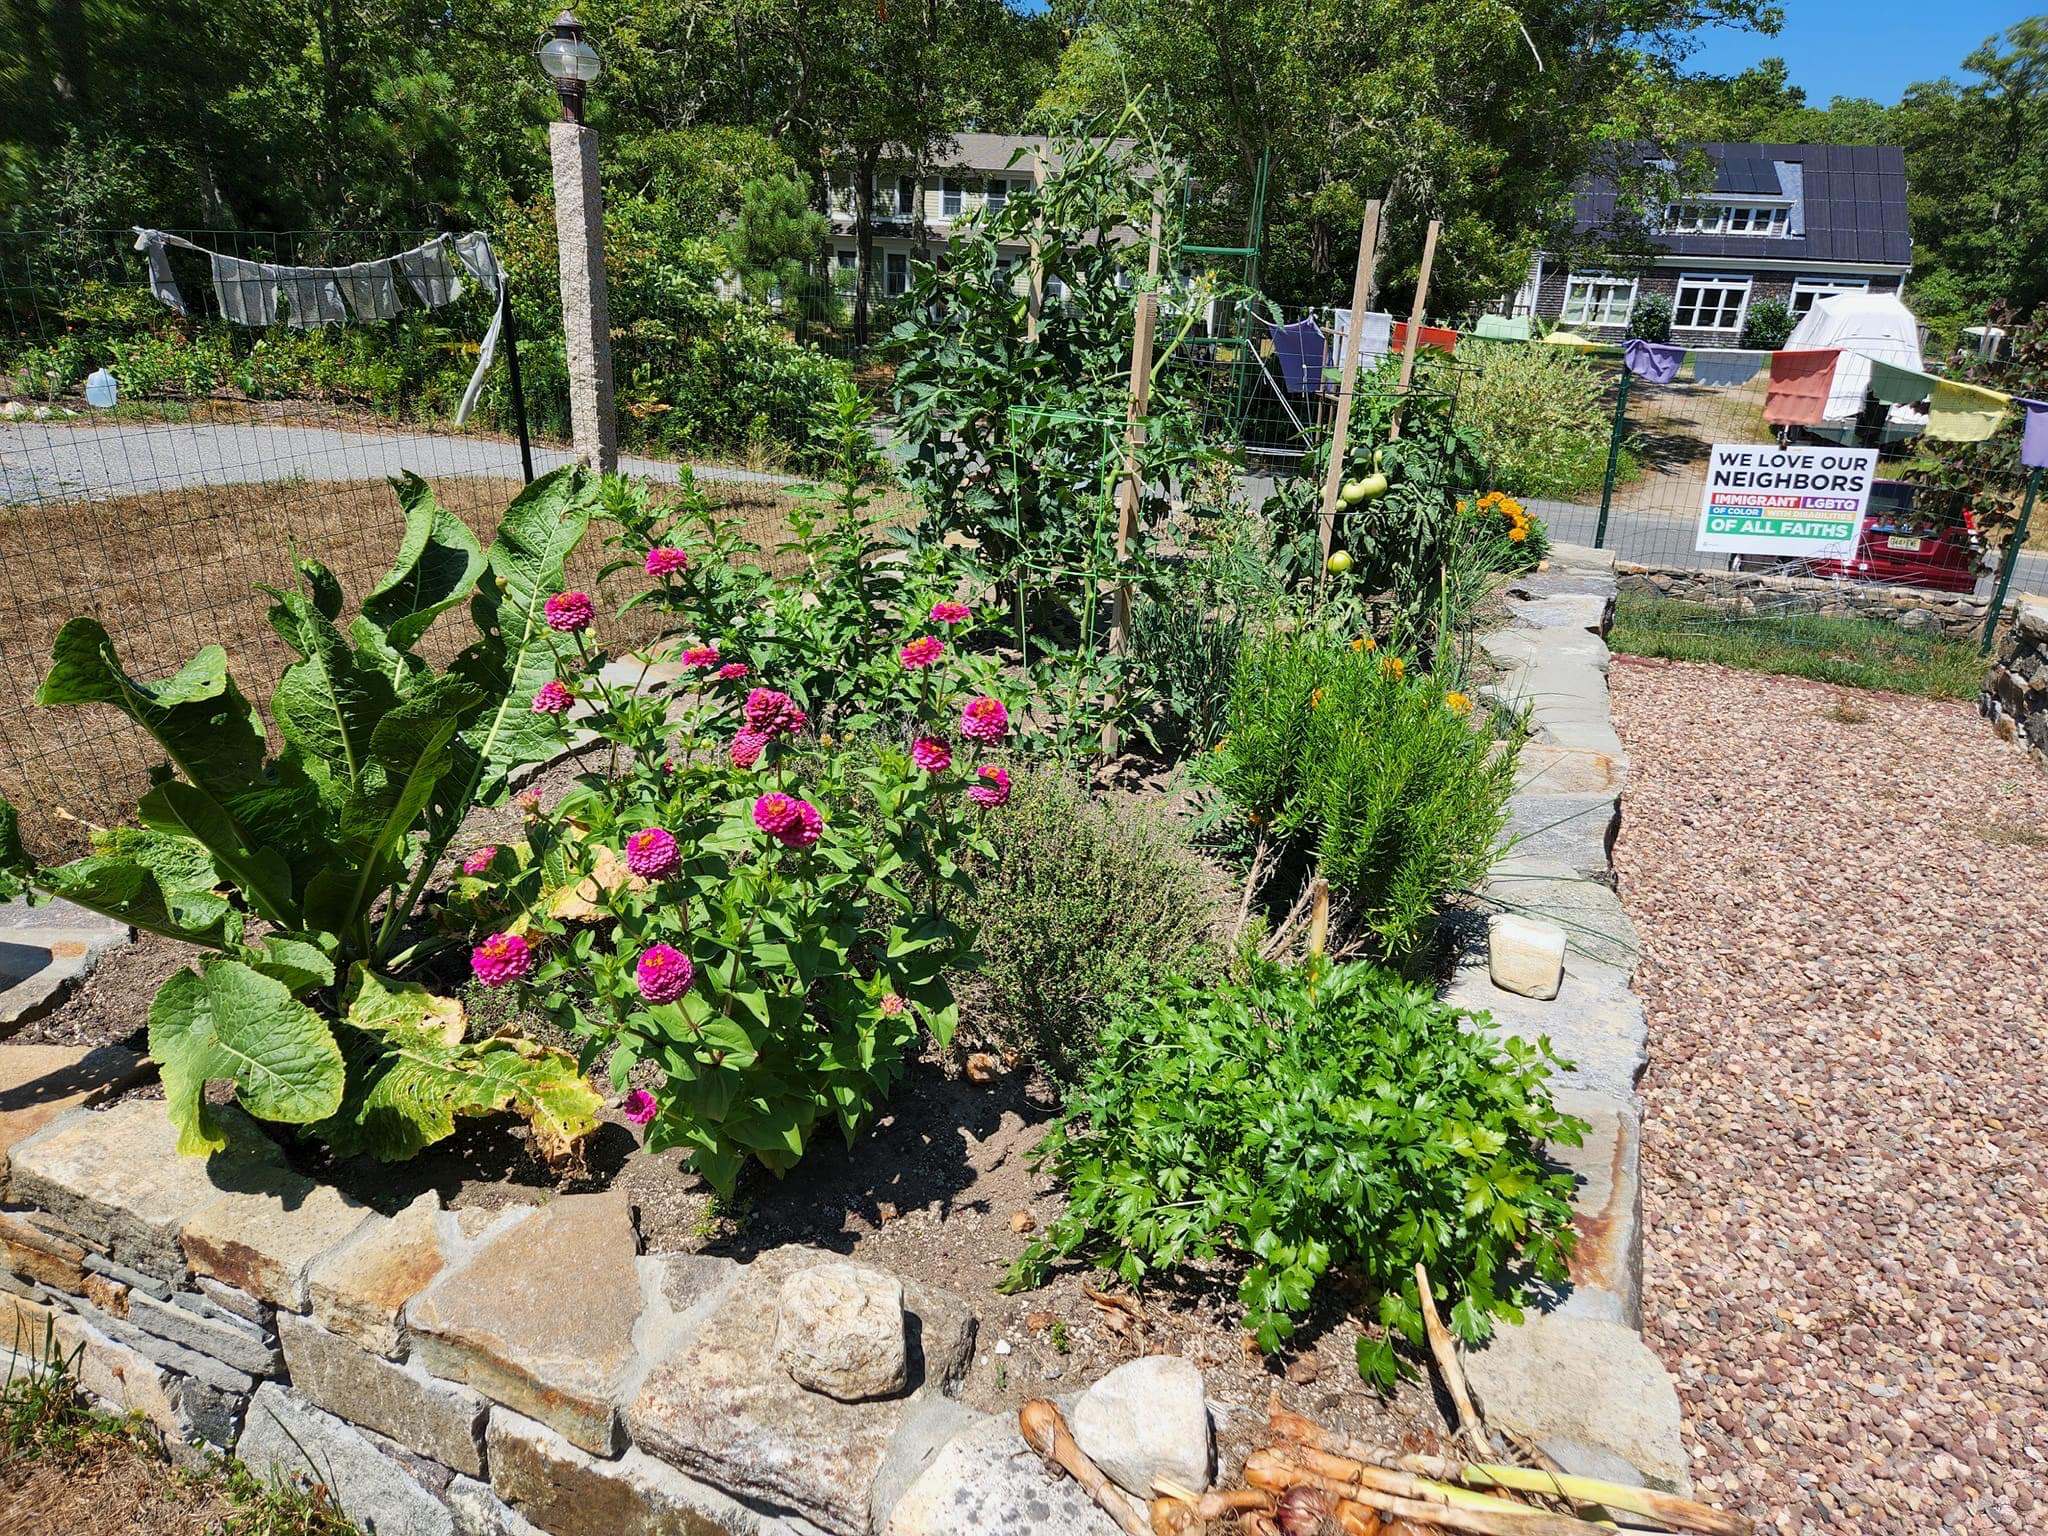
(1841, 897)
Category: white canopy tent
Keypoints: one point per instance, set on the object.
(1863, 326)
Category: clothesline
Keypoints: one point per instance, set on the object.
(248, 292)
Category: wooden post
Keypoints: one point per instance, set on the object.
(1035, 304)
(1144, 326)
(1340, 437)
(1414, 336)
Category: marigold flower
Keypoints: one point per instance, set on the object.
(651, 853)
(502, 958)
(983, 718)
(552, 698)
(746, 748)
(951, 613)
(480, 860)
(569, 612)
(931, 754)
(1457, 703)
(994, 788)
(639, 1106)
(666, 560)
(663, 974)
(701, 658)
(1393, 667)
(732, 671)
(773, 713)
(893, 1004)
(921, 652)
(1518, 533)
(1315, 699)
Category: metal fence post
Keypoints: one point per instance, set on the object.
(512, 375)
(2011, 558)
(1613, 457)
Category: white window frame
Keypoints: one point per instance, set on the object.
(1584, 285)
(906, 196)
(1763, 220)
(1716, 282)
(1814, 289)
(845, 258)
(995, 194)
(895, 273)
(952, 197)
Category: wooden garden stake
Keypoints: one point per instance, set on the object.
(1143, 328)
(1414, 336)
(1340, 436)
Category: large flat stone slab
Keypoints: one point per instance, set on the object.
(1575, 832)
(40, 1083)
(1587, 1391)
(437, 1419)
(360, 1289)
(542, 1318)
(226, 1338)
(115, 1177)
(45, 951)
(1607, 1208)
(34, 1252)
(988, 1482)
(263, 1238)
(287, 1441)
(721, 1407)
(1595, 1022)
(1545, 769)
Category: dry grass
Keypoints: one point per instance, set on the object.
(172, 571)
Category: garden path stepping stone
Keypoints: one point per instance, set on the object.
(722, 1407)
(46, 951)
(39, 1083)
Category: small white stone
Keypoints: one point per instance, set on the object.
(1002, 1346)
(1525, 955)
(1147, 1419)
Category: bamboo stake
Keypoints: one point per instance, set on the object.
(1667, 1507)
(1267, 1469)
(1446, 1353)
(1340, 434)
(1046, 1433)
(1129, 486)
(1414, 334)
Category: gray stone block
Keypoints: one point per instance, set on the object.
(232, 1298)
(134, 1279)
(933, 1420)
(987, 1482)
(266, 1233)
(287, 1441)
(1573, 831)
(433, 1418)
(1607, 1208)
(480, 1512)
(1594, 1022)
(238, 1346)
(215, 1373)
(1588, 612)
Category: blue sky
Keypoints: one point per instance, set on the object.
(1870, 48)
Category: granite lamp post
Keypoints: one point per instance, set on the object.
(570, 61)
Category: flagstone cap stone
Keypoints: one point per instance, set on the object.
(40, 1083)
(543, 1317)
(360, 1288)
(722, 1406)
(114, 1176)
(263, 1239)
(988, 1482)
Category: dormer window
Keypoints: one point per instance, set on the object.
(1713, 218)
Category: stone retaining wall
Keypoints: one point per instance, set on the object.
(1576, 1377)
(2015, 697)
(1755, 592)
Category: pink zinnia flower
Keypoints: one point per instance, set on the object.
(569, 612)
(810, 826)
(746, 748)
(639, 1106)
(553, 698)
(663, 974)
(931, 754)
(701, 658)
(652, 853)
(893, 1004)
(994, 788)
(951, 613)
(480, 861)
(733, 671)
(501, 958)
(529, 804)
(921, 652)
(773, 713)
(984, 718)
(666, 560)
(792, 822)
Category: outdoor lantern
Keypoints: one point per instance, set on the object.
(570, 62)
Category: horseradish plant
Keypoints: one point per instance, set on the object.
(299, 874)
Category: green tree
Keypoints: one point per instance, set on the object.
(777, 241)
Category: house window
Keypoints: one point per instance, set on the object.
(896, 273)
(1806, 291)
(906, 197)
(950, 198)
(998, 194)
(846, 260)
(1725, 219)
(1596, 298)
(1710, 303)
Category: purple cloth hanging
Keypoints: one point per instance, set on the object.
(1303, 354)
(2034, 433)
(1652, 360)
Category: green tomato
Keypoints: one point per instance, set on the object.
(1339, 562)
(1374, 486)
(1353, 492)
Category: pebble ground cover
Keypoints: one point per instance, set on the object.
(1841, 897)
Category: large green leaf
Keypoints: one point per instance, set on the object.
(174, 809)
(413, 1075)
(329, 702)
(210, 732)
(437, 565)
(122, 886)
(226, 1020)
(515, 653)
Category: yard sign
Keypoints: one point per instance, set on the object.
(1793, 502)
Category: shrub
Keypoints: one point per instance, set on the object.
(750, 907)
(1079, 901)
(1344, 764)
(1768, 325)
(1331, 1124)
(329, 845)
(1650, 320)
(1537, 416)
